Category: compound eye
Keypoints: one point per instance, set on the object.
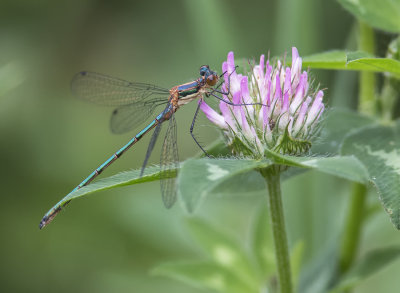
(212, 80)
(204, 69)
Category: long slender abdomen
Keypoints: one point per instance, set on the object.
(57, 208)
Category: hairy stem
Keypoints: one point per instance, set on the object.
(272, 177)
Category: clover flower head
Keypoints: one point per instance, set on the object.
(274, 108)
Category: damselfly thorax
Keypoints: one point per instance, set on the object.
(187, 92)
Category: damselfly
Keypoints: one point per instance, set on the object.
(136, 102)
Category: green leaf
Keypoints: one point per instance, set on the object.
(224, 249)
(207, 275)
(198, 177)
(382, 14)
(359, 61)
(337, 124)
(121, 179)
(371, 263)
(249, 183)
(378, 148)
(346, 167)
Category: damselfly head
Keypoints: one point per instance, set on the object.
(204, 69)
(209, 76)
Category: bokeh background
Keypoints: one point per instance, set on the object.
(50, 141)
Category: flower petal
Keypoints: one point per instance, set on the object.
(261, 67)
(231, 62)
(226, 111)
(299, 124)
(295, 54)
(300, 94)
(268, 83)
(315, 108)
(287, 91)
(245, 90)
(213, 116)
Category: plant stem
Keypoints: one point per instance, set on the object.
(390, 93)
(272, 177)
(354, 221)
(367, 101)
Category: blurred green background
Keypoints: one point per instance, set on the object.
(50, 141)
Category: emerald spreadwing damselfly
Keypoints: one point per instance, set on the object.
(135, 103)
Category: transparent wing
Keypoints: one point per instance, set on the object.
(169, 164)
(126, 117)
(154, 137)
(109, 91)
(150, 148)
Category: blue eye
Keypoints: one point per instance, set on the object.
(204, 69)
